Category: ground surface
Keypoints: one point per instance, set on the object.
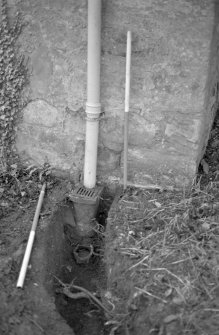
(32, 310)
(161, 254)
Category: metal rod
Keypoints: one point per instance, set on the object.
(127, 95)
(31, 238)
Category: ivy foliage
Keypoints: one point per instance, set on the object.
(13, 79)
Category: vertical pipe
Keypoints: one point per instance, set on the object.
(127, 94)
(93, 107)
(94, 51)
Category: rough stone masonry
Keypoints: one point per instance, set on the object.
(174, 86)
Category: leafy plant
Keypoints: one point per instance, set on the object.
(13, 78)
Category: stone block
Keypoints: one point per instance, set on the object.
(111, 134)
(170, 170)
(47, 135)
(108, 160)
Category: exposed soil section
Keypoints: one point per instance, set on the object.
(43, 305)
(65, 272)
(30, 310)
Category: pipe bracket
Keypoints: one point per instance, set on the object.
(94, 117)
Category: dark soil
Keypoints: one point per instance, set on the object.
(42, 307)
(83, 315)
(30, 310)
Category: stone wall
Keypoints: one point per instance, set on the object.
(174, 90)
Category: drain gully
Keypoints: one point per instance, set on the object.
(83, 253)
(86, 204)
(86, 196)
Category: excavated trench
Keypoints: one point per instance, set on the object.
(75, 274)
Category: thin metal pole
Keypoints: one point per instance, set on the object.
(127, 95)
(28, 250)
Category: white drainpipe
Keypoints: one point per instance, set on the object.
(93, 107)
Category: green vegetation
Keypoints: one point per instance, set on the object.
(13, 78)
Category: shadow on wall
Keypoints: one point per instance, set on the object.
(212, 91)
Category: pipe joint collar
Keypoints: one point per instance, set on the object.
(93, 108)
(93, 111)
